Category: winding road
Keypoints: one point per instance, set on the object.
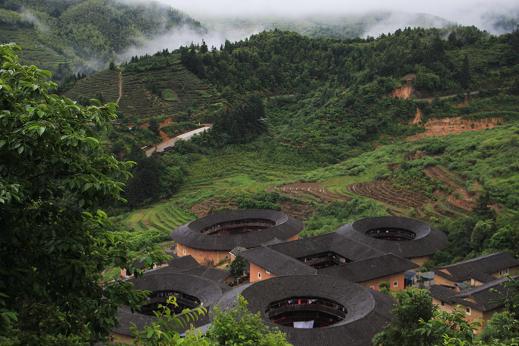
(159, 148)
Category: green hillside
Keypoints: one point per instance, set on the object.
(39, 49)
(83, 35)
(337, 145)
(394, 179)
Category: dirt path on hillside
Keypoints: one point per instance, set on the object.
(437, 127)
(403, 93)
(169, 143)
(445, 97)
(120, 87)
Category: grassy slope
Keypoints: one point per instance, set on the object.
(488, 157)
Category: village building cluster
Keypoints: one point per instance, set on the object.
(321, 290)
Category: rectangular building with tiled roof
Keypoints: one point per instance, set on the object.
(477, 271)
(329, 254)
(479, 303)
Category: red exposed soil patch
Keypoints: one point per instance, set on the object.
(403, 93)
(460, 197)
(449, 126)
(417, 117)
(164, 136)
(299, 210)
(210, 205)
(384, 191)
(312, 189)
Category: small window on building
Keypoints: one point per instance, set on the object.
(468, 311)
(259, 275)
(442, 303)
(395, 283)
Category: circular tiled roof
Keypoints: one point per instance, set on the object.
(281, 227)
(367, 311)
(422, 240)
(207, 291)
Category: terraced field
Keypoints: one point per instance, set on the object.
(138, 101)
(34, 52)
(104, 83)
(164, 217)
(459, 197)
(395, 198)
(211, 204)
(237, 172)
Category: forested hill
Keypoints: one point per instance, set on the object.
(67, 36)
(283, 62)
(328, 98)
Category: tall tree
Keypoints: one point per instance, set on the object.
(243, 121)
(238, 326)
(145, 185)
(54, 241)
(465, 77)
(418, 323)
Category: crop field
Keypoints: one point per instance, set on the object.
(103, 83)
(235, 172)
(451, 171)
(169, 91)
(34, 52)
(163, 217)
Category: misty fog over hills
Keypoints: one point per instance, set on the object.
(232, 20)
(78, 35)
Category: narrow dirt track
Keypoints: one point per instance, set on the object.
(445, 97)
(120, 87)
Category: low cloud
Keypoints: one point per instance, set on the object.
(236, 19)
(185, 35)
(29, 17)
(465, 12)
(399, 20)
